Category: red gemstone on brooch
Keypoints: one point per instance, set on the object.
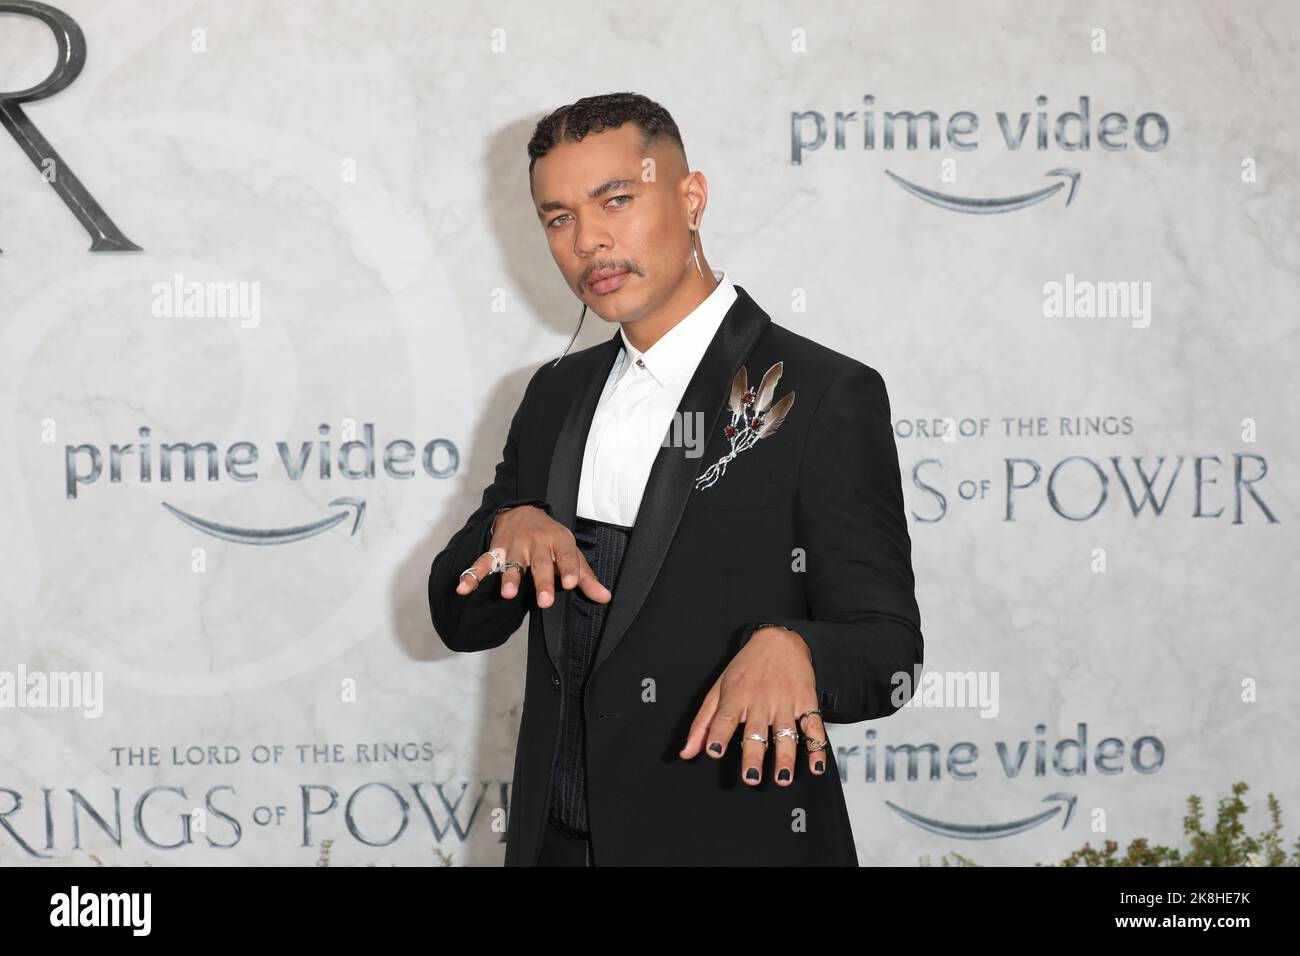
(731, 431)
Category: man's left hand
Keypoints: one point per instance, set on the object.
(768, 684)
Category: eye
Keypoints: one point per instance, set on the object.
(560, 218)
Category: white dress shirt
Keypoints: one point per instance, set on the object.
(637, 406)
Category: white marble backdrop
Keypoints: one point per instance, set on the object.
(359, 171)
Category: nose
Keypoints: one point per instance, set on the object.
(591, 239)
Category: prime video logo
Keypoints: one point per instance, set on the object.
(1069, 131)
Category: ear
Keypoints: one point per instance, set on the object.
(695, 195)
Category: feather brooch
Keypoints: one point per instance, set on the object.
(753, 418)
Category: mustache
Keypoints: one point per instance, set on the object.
(618, 266)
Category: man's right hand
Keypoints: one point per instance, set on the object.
(542, 545)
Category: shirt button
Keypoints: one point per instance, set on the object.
(640, 363)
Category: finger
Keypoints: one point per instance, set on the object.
(753, 751)
(700, 725)
(482, 566)
(722, 727)
(543, 569)
(591, 585)
(785, 746)
(511, 578)
(814, 733)
(567, 564)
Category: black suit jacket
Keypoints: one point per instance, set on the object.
(704, 567)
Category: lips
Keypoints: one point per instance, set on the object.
(604, 282)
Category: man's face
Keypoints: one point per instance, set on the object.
(603, 208)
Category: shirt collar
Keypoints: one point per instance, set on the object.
(678, 351)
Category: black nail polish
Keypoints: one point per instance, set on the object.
(784, 774)
(715, 748)
(820, 766)
(751, 773)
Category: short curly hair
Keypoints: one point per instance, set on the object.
(593, 114)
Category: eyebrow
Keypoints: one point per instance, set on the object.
(550, 205)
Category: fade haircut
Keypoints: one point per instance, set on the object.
(594, 114)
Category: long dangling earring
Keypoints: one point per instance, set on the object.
(694, 234)
(574, 338)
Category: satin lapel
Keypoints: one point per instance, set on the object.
(566, 473)
(672, 477)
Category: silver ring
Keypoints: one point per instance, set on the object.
(513, 564)
(470, 572)
(787, 732)
(761, 738)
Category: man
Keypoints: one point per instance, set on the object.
(731, 562)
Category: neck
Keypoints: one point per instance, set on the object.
(686, 298)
